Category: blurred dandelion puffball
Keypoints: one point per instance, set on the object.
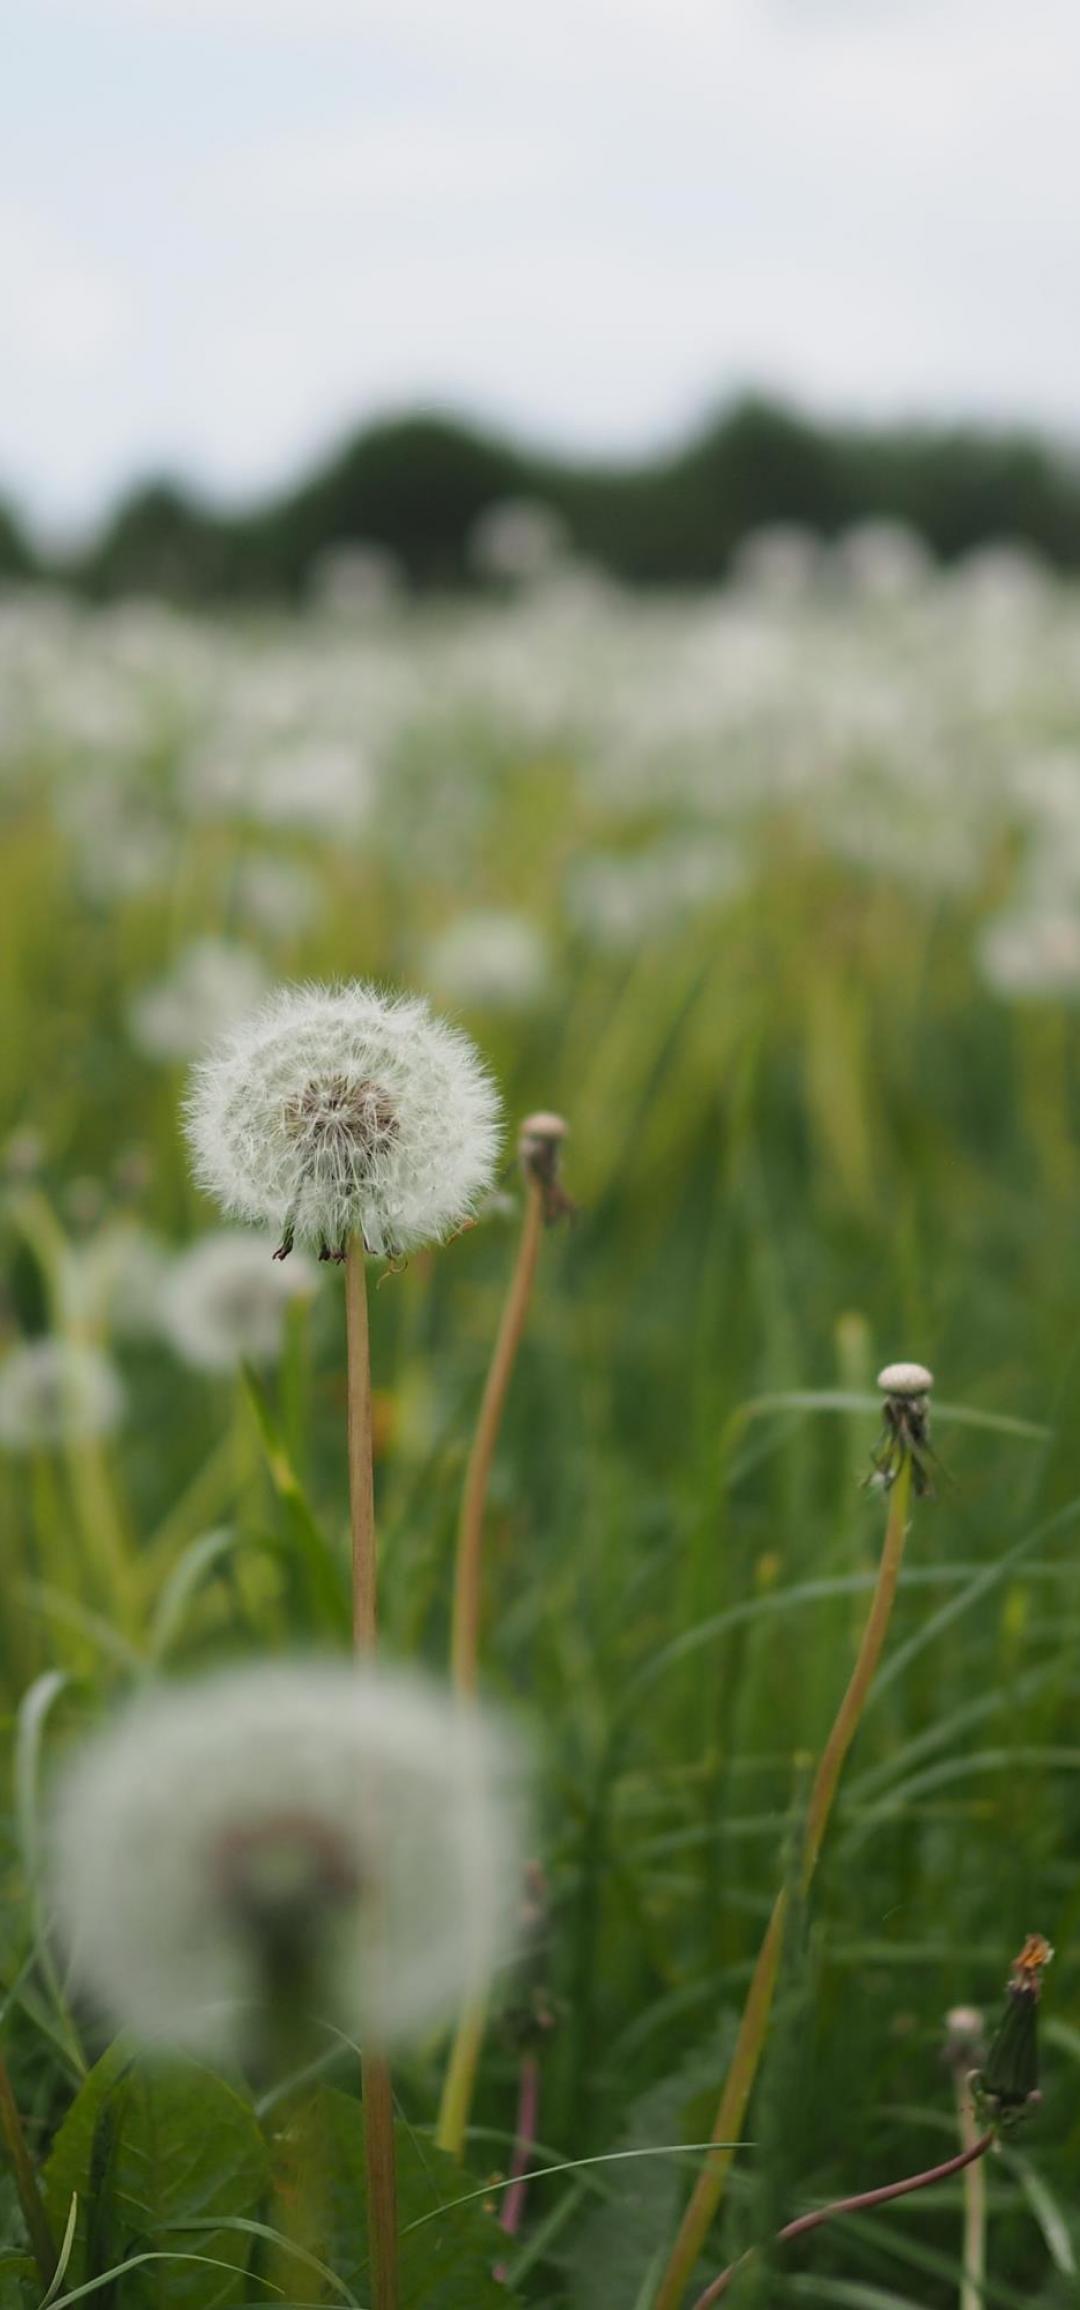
(354, 1816)
(223, 1302)
(211, 984)
(54, 1391)
(492, 958)
(335, 1111)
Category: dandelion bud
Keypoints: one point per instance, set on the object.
(332, 1843)
(339, 1111)
(1009, 2079)
(965, 2042)
(540, 1144)
(905, 1434)
(907, 1380)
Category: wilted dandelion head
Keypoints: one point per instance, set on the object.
(223, 1302)
(343, 1837)
(55, 1390)
(336, 1111)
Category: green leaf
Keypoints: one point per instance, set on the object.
(446, 2261)
(324, 1572)
(155, 2151)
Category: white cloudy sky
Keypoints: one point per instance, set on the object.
(228, 228)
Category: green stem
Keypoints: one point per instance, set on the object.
(973, 2282)
(709, 2187)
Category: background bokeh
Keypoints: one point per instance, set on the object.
(722, 778)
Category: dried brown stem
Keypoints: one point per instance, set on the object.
(468, 1585)
(374, 2072)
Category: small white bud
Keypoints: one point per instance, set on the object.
(905, 1380)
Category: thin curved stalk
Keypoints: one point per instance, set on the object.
(460, 2082)
(468, 1566)
(709, 2187)
(861, 2204)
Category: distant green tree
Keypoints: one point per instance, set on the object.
(161, 541)
(419, 484)
(16, 557)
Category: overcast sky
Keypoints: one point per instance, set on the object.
(231, 228)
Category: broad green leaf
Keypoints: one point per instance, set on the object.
(156, 2150)
(446, 2261)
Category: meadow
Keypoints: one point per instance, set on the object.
(774, 894)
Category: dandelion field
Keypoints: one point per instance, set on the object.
(774, 895)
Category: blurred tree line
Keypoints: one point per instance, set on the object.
(418, 485)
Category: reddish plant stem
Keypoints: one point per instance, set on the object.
(527, 2115)
(857, 2205)
(27, 2186)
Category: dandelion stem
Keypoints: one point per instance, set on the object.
(460, 2082)
(975, 2149)
(973, 2281)
(38, 2227)
(374, 2072)
(709, 2187)
(361, 1480)
(470, 1534)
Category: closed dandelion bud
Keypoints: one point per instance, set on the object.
(302, 1843)
(540, 1145)
(1009, 2079)
(340, 1111)
(905, 1414)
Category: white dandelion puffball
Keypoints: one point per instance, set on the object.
(223, 1302)
(53, 1391)
(336, 1111)
(211, 985)
(354, 1808)
(493, 959)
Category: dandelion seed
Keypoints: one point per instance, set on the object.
(53, 1390)
(224, 1302)
(344, 1839)
(342, 1111)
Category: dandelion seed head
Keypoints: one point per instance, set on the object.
(339, 1111)
(356, 1812)
(52, 1390)
(223, 1302)
(211, 985)
(494, 959)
